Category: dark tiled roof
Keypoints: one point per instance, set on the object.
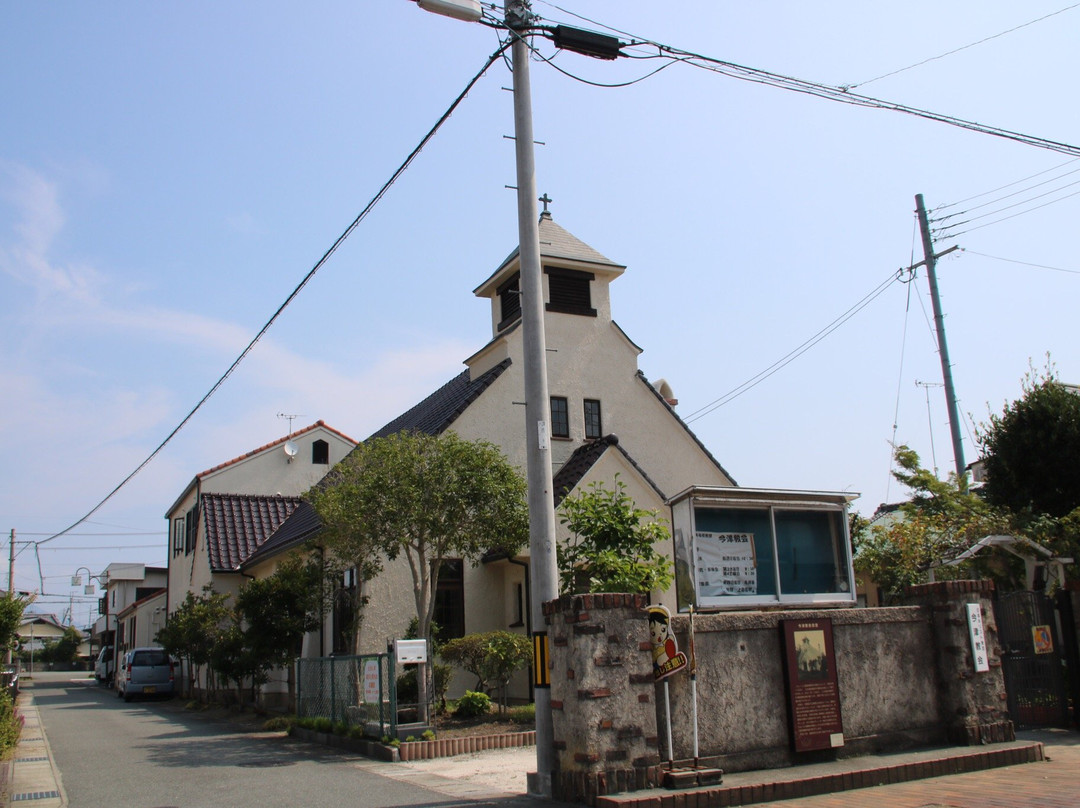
(238, 524)
(436, 412)
(300, 525)
(583, 459)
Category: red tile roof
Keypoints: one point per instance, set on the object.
(277, 442)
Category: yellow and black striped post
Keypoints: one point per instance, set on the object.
(541, 660)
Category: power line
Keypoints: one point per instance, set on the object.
(1013, 216)
(795, 353)
(1004, 208)
(311, 273)
(964, 47)
(1008, 185)
(841, 94)
(1022, 263)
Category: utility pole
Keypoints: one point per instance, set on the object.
(930, 259)
(11, 580)
(543, 572)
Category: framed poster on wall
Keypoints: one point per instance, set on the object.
(813, 689)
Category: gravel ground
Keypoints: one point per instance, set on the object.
(502, 769)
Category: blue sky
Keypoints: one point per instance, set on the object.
(169, 173)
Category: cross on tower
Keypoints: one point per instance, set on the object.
(546, 201)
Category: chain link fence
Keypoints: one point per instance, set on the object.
(366, 691)
(353, 690)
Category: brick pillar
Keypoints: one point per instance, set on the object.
(601, 696)
(974, 705)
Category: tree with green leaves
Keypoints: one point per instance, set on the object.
(612, 544)
(193, 631)
(273, 615)
(427, 497)
(492, 657)
(11, 615)
(1031, 451)
(940, 521)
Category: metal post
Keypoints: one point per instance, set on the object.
(542, 568)
(943, 348)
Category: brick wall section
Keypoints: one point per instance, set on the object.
(973, 705)
(602, 696)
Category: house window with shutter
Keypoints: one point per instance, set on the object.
(593, 429)
(569, 291)
(510, 301)
(560, 417)
(179, 527)
(191, 532)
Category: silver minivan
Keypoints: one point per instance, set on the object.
(145, 672)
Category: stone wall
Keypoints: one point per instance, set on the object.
(602, 696)
(974, 706)
(888, 684)
(905, 673)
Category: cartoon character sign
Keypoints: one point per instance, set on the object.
(667, 658)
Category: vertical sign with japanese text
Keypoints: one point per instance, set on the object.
(978, 638)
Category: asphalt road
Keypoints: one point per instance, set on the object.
(149, 754)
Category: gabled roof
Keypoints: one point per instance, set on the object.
(238, 524)
(556, 242)
(278, 442)
(435, 413)
(132, 607)
(683, 424)
(584, 458)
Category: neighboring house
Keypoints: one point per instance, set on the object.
(123, 585)
(607, 421)
(226, 512)
(140, 622)
(37, 630)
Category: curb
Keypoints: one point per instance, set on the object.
(755, 790)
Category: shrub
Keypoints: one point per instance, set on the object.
(428, 735)
(279, 723)
(473, 704)
(523, 714)
(10, 725)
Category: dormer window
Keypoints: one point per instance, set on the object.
(569, 291)
(510, 301)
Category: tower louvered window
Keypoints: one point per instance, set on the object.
(570, 291)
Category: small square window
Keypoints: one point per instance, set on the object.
(593, 428)
(560, 417)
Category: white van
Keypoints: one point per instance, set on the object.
(105, 666)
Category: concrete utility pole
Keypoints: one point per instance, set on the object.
(930, 259)
(11, 580)
(543, 572)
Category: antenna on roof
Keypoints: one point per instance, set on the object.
(290, 417)
(290, 445)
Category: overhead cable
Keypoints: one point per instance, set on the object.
(292, 296)
(795, 353)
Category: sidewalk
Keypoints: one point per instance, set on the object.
(31, 775)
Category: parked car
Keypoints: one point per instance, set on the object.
(104, 667)
(145, 672)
